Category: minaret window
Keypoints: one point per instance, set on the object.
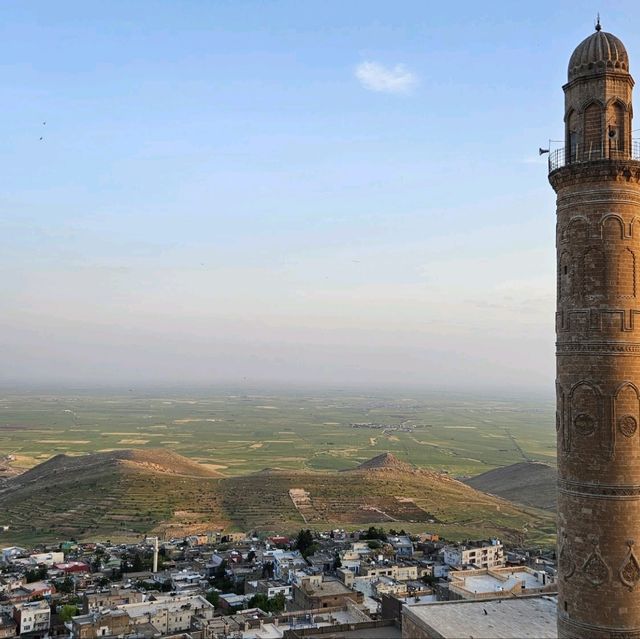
(615, 132)
(592, 132)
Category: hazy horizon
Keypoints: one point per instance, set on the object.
(319, 195)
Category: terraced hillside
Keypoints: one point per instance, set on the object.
(121, 494)
(381, 491)
(125, 494)
(529, 483)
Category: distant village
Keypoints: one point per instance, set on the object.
(370, 583)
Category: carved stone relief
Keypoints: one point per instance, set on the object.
(584, 423)
(628, 425)
(630, 570)
(566, 563)
(595, 568)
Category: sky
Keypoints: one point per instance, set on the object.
(320, 193)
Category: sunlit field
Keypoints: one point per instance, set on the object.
(238, 434)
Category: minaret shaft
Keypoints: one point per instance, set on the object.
(597, 181)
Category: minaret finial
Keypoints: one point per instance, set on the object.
(598, 27)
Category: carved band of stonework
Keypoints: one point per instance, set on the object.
(587, 410)
(572, 348)
(598, 491)
(580, 629)
(581, 321)
(630, 569)
(620, 171)
(595, 568)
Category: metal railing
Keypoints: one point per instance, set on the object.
(563, 157)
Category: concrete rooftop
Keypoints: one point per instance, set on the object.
(524, 617)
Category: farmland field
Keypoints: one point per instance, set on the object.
(242, 433)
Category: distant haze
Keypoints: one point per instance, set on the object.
(312, 193)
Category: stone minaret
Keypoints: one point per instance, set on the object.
(597, 181)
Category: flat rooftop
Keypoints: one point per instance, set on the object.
(525, 617)
(194, 602)
(488, 583)
(329, 587)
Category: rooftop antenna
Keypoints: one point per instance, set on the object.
(598, 26)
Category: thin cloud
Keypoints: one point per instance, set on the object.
(376, 77)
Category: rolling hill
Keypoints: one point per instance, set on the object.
(529, 483)
(125, 494)
(121, 494)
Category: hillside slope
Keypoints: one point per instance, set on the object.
(380, 492)
(529, 483)
(125, 494)
(121, 494)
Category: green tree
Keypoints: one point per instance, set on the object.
(213, 598)
(278, 603)
(68, 611)
(304, 540)
(220, 579)
(305, 543)
(375, 533)
(274, 605)
(37, 574)
(65, 586)
(136, 564)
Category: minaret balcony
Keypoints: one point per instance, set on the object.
(559, 158)
(594, 165)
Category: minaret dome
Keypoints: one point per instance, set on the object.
(598, 53)
(598, 108)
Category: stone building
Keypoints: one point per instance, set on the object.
(312, 594)
(94, 600)
(109, 623)
(8, 627)
(597, 181)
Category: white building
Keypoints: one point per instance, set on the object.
(46, 558)
(285, 563)
(33, 617)
(481, 554)
(499, 582)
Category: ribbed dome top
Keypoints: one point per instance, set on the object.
(599, 52)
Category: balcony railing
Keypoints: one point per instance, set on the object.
(562, 157)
